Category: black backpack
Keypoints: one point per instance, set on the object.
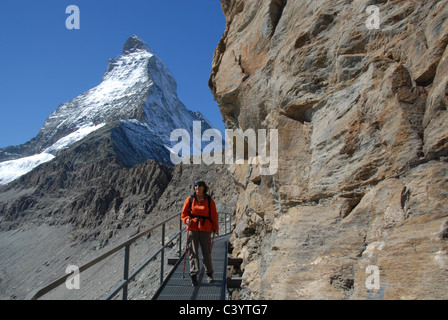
(209, 198)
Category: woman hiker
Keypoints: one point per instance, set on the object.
(200, 215)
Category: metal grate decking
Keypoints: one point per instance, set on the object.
(177, 288)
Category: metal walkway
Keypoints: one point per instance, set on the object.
(175, 287)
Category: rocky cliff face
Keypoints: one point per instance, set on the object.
(360, 196)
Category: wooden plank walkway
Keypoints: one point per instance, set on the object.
(176, 287)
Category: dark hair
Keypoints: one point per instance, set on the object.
(201, 183)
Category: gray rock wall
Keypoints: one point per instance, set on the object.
(362, 177)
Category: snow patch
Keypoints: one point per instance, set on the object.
(13, 169)
(73, 137)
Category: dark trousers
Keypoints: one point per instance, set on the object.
(204, 239)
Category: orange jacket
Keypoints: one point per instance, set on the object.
(200, 209)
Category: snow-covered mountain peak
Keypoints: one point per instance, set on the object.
(134, 43)
(136, 100)
(128, 81)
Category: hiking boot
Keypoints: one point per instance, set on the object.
(210, 278)
(194, 280)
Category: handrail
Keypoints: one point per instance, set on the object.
(125, 281)
(126, 245)
(57, 282)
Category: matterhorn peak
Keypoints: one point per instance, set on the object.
(134, 43)
(136, 101)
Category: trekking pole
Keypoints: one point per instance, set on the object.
(213, 241)
(186, 249)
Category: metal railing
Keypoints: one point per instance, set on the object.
(127, 278)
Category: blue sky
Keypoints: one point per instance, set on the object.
(44, 64)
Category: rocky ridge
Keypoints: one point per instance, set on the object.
(363, 172)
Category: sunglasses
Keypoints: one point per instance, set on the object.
(199, 184)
